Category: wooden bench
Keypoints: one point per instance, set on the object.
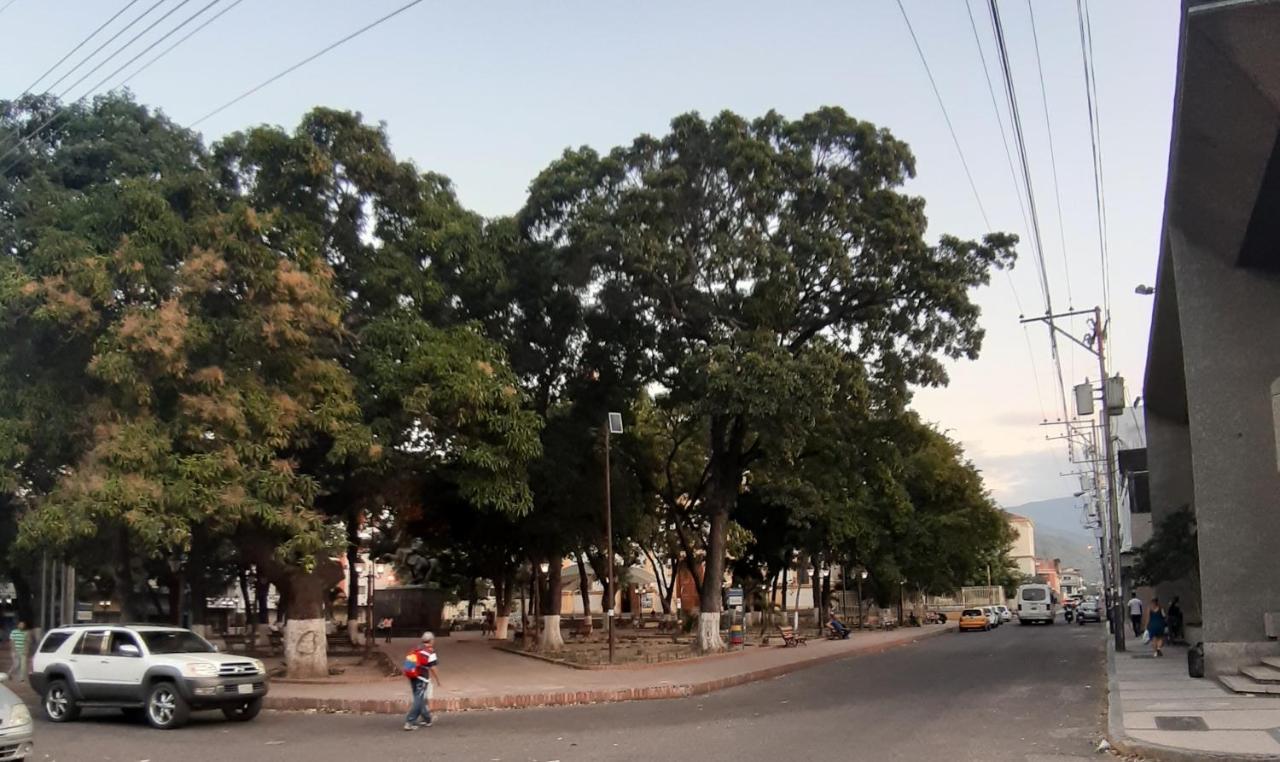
(834, 634)
(790, 638)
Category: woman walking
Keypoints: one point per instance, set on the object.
(1156, 627)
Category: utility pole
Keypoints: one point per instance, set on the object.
(1095, 344)
(614, 427)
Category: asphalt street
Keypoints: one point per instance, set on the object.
(1033, 694)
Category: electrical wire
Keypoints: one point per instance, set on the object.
(184, 38)
(83, 42)
(1095, 141)
(5, 7)
(1053, 161)
(304, 62)
(945, 115)
(107, 42)
(150, 47)
(121, 49)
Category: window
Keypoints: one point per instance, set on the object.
(52, 641)
(176, 642)
(1033, 594)
(93, 643)
(120, 638)
(971, 612)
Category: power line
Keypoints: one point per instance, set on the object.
(83, 42)
(5, 7)
(1053, 161)
(1095, 139)
(972, 186)
(98, 49)
(148, 48)
(184, 38)
(1021, 143)
(304, 62)
(122, 48)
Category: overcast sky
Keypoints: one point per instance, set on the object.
(490, 93)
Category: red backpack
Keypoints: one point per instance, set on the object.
(415, 663)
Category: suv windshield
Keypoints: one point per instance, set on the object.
(1033, 594)
(176, 642)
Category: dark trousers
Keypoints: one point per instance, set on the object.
(1137, 624)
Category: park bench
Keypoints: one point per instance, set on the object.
(581, 629)
(790, 638)
(834, 634)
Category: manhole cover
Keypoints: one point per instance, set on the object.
(1181, 723)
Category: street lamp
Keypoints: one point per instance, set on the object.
(861, 575)
(614, 427)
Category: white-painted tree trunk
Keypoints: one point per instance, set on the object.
(709, 640)
(550, 638)
(305, 650)
(500, 625)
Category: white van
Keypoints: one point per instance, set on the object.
(1036, 603)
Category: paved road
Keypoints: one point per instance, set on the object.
(1032, 694)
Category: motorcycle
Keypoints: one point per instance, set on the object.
(1069, 614)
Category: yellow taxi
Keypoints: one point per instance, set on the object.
(974, 619)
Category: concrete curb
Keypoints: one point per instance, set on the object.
(573, 698)
(1127, 744)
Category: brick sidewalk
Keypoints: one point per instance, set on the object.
(475, 675)
(1149, 697)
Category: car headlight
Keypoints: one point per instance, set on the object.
(20, 715)
(262, 668)
(200, 669)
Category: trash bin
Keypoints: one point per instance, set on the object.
(735, 634)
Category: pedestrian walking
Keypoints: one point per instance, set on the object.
(1175, 621)
(420, 668)
(18, 646)
(1157, 626)
(1135, 614)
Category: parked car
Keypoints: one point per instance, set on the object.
(1006, 614)
(16, 741)
(1088, 611)
(158, 673)
(974, 619)
(992, 615)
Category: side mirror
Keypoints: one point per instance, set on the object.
(129, 649)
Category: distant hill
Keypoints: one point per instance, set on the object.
(1059, 534)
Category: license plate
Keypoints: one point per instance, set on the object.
(245, 688)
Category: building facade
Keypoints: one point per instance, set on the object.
(1023, 550)
(1212, 383)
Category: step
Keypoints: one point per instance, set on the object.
(1242, 684)
(1271, 661)
(1262, 674)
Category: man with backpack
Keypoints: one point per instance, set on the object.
(420, 668)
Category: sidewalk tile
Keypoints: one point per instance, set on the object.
(1223, 741)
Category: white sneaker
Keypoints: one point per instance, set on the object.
(410, 726)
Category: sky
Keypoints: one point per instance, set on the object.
(490, 93)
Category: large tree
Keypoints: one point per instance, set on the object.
(746, 254)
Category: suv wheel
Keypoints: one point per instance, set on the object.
(166, 709)
(59, 704)
(243, 712)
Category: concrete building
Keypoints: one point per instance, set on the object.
(1212, 385)
(1049, 571)
(1071, 581)
(1023, 550)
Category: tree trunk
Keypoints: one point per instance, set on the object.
(710, 602)
(550, 639)
(819, 603)
(353, 576)
(262, 591)
(785, 569)
(175, 599)
(122, 576)
(23, 600)
(242, 578)
(503, 589)
(584, 588)
(305, 648)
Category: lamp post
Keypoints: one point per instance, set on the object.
(369, 631)
(861, 575)
(543, 567)
(614, 427)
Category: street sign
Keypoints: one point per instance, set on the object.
(735, 596)
(615, 423)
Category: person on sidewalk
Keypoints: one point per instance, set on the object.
(18, 644)
(1156, 627)
(1135, 614)
(420, 668)
(838, 628)
(1175, 621)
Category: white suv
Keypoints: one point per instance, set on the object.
(160, 673)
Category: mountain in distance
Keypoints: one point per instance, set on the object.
(1060, 534)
